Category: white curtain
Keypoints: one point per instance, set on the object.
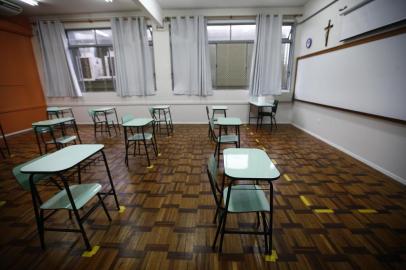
(57, 67)
(190, 56)
(132, 57)
(266, 67)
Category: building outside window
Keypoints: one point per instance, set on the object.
(93, 57)
(231, 45)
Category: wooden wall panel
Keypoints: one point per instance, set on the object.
(21, 97)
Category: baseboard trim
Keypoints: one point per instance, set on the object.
(17, 132)
(357, 157)
(186, 123)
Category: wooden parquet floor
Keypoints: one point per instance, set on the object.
(167, 223)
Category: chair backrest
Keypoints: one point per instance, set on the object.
(24, 179)
(91, 113)
(208, 113)
(275, 105)
(212, 174)
(152, 113)
(211, 126)
(126, 118)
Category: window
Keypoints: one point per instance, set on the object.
(93, 57)
(231, 46)
(287, 55)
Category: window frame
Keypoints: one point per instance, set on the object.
(231, 41)
(290, 41)
(96, 45)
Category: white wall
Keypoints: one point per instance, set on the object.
(379, 143)
(185, 109)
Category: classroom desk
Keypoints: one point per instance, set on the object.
(252, 165)
(59, 110)
(59, 162)
(139, 123)
(166, 112)
(105, 111)
(260, 106)
(51, 123)
(219, 108)
(229, 122)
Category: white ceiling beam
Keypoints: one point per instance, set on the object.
(152, 8)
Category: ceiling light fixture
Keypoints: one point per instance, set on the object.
(109, 1)
(30, 2)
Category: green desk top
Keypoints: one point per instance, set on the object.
(138, 122)
(219, 107)
(52, 122)
(228, 121)
(261, 104)
(58, 109)
(103, 109)
(249, 163)
(63, 159)
(161, 107)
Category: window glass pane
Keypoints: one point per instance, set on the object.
(218, 32)
(213, 63)
(243, 32)
(94, 68)
(149, 34)
(286, 29)
(231, 65)
(81, 37)
(103, 36)
(285, 65)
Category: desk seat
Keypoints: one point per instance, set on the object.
(228, 138)
(63, 139)
(139, 137)
(246, 198)
(81, 195)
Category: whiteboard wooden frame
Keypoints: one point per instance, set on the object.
(380, 36)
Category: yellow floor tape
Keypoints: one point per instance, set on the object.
(367, 211)
(323, 211)
(305, 200)
(271, 258)
(90, 253)
(122, 209)
(257, 140)
(2, 203)
(151, 166)
(159, 154)
(274, 161)
(287, 177)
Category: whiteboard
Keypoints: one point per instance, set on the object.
(368, 78)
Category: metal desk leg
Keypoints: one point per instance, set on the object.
(145, 145)
(77, 130)
(126, 146)
(110, 180)
(38, 142)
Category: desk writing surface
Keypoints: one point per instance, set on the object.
(103, 109)
(249, 163)
(58, 109)
(138, 122)
(52, 122)
(229, 121)
(219, 107)
(160, 107)
(261, 103)
(63, 159)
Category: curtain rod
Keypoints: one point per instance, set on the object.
(230, 17)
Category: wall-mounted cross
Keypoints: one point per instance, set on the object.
(327, 29)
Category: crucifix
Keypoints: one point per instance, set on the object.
(327, 29)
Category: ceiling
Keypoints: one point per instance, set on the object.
(52, 7)
(189, 4)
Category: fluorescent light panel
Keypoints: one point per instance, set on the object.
(30, 2)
